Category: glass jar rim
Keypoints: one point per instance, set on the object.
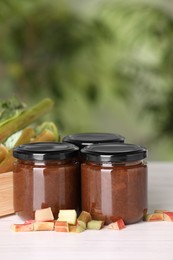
(45, 151)
(85, 139)
(114, 152)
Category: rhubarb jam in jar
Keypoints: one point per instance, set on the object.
(46, 174)
(114, 182)
(84, 139)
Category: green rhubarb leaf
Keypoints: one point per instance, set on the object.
(24, 119)
(10, 109)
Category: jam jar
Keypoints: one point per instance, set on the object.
(46, 174)
(84, 139)
(114, 182)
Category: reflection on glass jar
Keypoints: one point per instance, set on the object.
(46, 175)
(114, 182)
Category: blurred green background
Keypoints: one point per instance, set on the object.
(107, 64)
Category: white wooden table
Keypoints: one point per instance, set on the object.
(135, 242)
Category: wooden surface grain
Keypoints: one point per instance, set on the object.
(6, 193)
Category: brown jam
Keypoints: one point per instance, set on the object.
(114, 182)
(46, 175)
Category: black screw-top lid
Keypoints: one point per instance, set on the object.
(114, 152)
(45, 151)
(84, 139)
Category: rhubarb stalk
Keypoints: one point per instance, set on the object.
(25, 118)
(3, 152)
(7, 164)
(45, 136)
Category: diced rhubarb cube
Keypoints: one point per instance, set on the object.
(117, 225)
(61, 226)
(29, 221)
(95, 224)
(22, 227)
(160, 210)
(76, 229)
(154, 217)
(168, 216)
(84, 218)
(44, 214)
(43, 226)
(68, 215)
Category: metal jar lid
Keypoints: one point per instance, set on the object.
(84, 139)
(45, 151)
(114, 152)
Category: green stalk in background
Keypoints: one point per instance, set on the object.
(7, 164)
(25, 118)
(45, 126)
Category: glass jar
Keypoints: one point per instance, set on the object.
(114, 182)
(46, 175)
(83, 139)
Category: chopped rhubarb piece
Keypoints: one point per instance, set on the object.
(44, 215)
(83, 219)
(22, 227)
(95, 224)
(61, 226)
(76, 229)
(43, 226)
(168, 216)
(154, 217)
(160, 210)
(68, 215)
(117, 225)
(29, 221)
